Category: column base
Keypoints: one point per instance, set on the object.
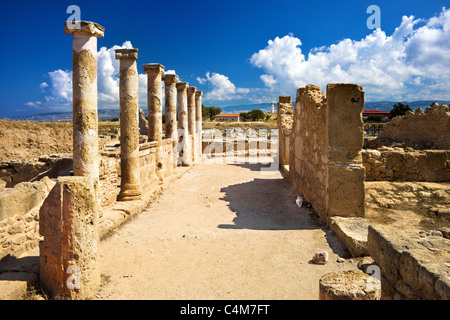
(129, 195)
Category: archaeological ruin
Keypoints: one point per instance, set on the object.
(386, 198)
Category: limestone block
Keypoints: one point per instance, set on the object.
(21, 199)
(345, 126)
(69, 252)
(349, 285)
(352, 232)
(345, 190)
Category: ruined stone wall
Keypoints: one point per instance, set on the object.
(309, 152)
(285, 117)
(148, 165)
(414, 265)
(430, 129)
(325, 144)
(109, 181)
(52, 166)
(398, 164)
(19, 216)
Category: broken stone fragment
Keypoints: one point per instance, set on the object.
(320, 257)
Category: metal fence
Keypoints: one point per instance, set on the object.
(373, 129)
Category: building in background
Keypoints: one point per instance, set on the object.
(231, 117)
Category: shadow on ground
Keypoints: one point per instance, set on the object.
(268, 203)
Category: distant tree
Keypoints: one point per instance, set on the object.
(375, 118)
(268, 116)
(214, 112)
(244, 116)
(210, 113)
(399, 109)
(257, 115)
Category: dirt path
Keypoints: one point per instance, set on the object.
(220, 232)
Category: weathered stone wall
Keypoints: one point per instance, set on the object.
(325, 144)
(309, 152)
(432, 128)
(285, 118)
(398, 164)
(413, 265)
(148, 166)
(52, 166)
(19, 216)
(108, 181)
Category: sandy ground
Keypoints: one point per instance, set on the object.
(220, 232)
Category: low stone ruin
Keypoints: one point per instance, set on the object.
(386, 197)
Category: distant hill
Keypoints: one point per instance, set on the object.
(108, 114)
(387, 105)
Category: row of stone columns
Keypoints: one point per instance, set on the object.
(69, 216)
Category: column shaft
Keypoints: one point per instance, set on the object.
(184, 145)
(84, 85)
(154, 98)
(170, 87)
(198, 125)
(130, 188)
(191, 118)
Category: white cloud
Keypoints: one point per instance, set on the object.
(59, 89)
(387, 66)
(222, 88)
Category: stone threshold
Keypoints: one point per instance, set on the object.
(20, 275)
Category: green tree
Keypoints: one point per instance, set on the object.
(257, 115)
(399, 109)
(210, 113)
(244, 116)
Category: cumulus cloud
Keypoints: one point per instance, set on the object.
(58, 90)
(412, 63)
(222, 88)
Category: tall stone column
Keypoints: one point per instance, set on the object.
(184, 144)
(154, 99)
(130, 185)
(198, 125)
(84, 85)
(170, 87)
(191, 118)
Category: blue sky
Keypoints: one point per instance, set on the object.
(237, 52)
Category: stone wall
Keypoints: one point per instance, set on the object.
(414, 265)
(398, 164)
(52, 166)
(19, 216)
(325, 144)
(285, 117)
(431, 129)
(150, 171)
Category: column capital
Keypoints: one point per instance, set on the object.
(192, 90)
(153, 67)
(182, 85)
(84, 27)
(126, 54)
(199, 93)
(170, 78)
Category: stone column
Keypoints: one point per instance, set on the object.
(68, 253)
(130, 186)
(170, 87)
(184, 144)
(198, 125)
(154, 99)
(84, 84)
(191, 117)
